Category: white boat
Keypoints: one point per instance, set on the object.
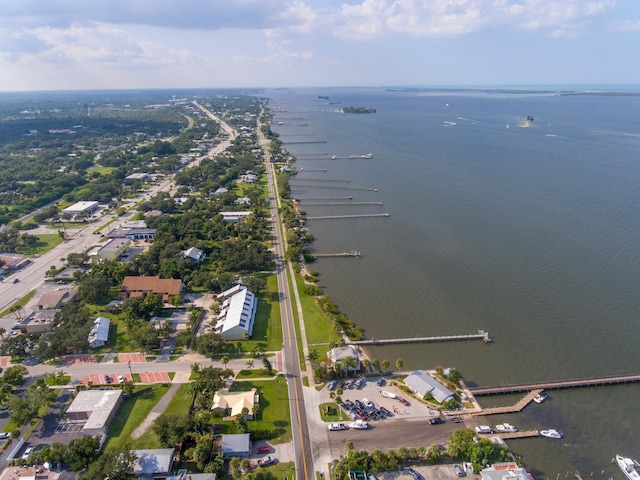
(551, 433)
(506, 428)
(333, 157)
(629, 467)
(541, 397)
(484, 429)
(387, 394)
(368, 155)
(359, 425)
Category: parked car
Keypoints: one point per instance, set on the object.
(367, 403)
(458, 470)
(121, 379)
(380, 382)
(337, 426)
(435, 421)
(414, 474)
(267, 460)
(27, 452)
(4, 435)
(263, 449)
(108, 379)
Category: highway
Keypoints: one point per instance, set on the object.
(299, 425)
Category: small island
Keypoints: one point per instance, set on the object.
(358, 110)
(323, 97)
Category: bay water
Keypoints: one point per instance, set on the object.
(528, 229)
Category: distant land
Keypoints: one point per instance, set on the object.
(358, 110)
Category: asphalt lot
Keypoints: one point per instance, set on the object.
(409, 427)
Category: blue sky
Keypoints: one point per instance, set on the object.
(91, 44)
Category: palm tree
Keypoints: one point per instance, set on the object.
(313, 356)
(249, 364)
(399, 364)
(2, 332)
(375, 363)
(224, 360)
(386, 364)
(349, 363)
(366, 363)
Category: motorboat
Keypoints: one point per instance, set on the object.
(541, 397)
(506, 428)
(359, 425)
(629, 466)
(387, 394)
(551, 433)
(484, 429)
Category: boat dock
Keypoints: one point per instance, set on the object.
(354, 254)
(556, 385)
(481, 335)
(345, 180)
(324, 198)
(305, 142)
(509, 408)
(514, 435)
(293, 186)
(331, 217)
(319, 204)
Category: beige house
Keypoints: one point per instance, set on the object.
(232, 403)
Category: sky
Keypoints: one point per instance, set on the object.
(121, 44)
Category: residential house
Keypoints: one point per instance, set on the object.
(232, 403)
(57, 298)
(233, 445)
(194, 254)
(505, 471)
(153, 464)
(99, 334)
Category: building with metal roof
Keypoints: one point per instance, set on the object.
(422, 384)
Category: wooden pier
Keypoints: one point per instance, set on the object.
(510, 408)
(319, 204)
(307, 142)
(344, 180)
(368, 189)
(514, 435)
(481, 335)
(556, 385)
(331, 217)
(354, 254)
(324, 198)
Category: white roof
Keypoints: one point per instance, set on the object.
(155, 461)
(423, 383)
(238, 310)
(79, 207)
(100, 330)
(100, 403)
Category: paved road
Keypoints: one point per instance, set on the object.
(299, 425)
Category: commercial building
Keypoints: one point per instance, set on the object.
(338, 354)
(113, 248)
(57, 298)
(39, 321)
(505, 471)
(237, 313)
(80, 207)
(140, 286)
(422, 384)
(234, 217)
(96, 408)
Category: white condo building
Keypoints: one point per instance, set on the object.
(237, 313)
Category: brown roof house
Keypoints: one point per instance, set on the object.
(140, 286)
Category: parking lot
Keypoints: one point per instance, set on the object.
(408, 426)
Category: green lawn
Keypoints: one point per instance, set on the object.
(132, 413)
(102, 170)
(317, 328)
(46, 242)
(180, 404)
(267, 331)
(274, 407)
(330, 412)
(258, 372)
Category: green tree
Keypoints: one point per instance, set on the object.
(15, 375)
(82, 452)
(224, 360)
(249, 364)
(399, 364)
(385, 365)
(119, 462)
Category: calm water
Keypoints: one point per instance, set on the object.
(532, 234)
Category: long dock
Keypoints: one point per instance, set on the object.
(339, 180)
(556, 385)
(481, 335)
(510, 408)
(354, 254)
(319, 204)
(324, 198)
(332, 217)
(293, 186)
(306, 142)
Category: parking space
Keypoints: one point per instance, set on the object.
(131, 357)
(154, 377)
(78, 359)
(64, 427)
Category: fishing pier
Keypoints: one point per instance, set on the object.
(556, 385)
(481, 335)
(354, 254)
